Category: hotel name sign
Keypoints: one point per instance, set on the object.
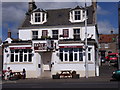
(40, 46)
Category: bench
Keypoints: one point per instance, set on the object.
(65, 74)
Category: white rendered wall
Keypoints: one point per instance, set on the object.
(30, 67)
(26, 34)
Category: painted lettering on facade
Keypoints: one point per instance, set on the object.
(40, 46)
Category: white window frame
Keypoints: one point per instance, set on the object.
(72, 16)
(34, 35)
(41, 18)
(55, 34)
(68, 59)
(27, 53)
(90, 52)
(76, 33)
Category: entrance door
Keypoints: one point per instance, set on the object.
(46, 64)
(46, 59)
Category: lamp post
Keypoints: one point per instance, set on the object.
(119, 35)
(86, 47)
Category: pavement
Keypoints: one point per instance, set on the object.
(105, 76)
(104, 80)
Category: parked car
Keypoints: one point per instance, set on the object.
(116, 75)
(113, 57)
(106, 58)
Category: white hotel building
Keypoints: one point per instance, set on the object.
(54, 40)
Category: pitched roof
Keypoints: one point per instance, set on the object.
(57, 17)
(107, 38)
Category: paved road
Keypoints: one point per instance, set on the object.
(103, 81)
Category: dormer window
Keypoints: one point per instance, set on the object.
(38, 17)
(77, 15)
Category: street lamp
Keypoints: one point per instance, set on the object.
(86, 47)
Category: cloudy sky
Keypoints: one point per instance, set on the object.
(13, 13)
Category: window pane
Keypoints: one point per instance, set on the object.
(12, 57)
(34, 34)
(77, 15)
(89, 49)
(43, 17)
(65, 49)
(12, 51)
(65, 32)
(16, 57)
(80, 57)
(61, 56)
(21, 57)
(25, 57)
(37, 17)
(44, 33)
(80, 49)
(25, 50)
(16, 51)
(30, 58)
(70, 55)
(75, 56)
(89, 56)
(76, 33)
(55, 34)
(66, 58)
(30, 50)
(76, 49)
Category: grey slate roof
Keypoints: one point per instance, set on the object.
(57, 17)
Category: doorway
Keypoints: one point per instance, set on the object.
(46, 64)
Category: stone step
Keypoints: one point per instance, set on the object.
(46, 74)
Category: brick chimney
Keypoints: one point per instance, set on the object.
(94, 4)
(111, 31)
(31, 6)
(9, 33)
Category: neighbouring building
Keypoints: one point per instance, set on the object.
(1, 55)
(108, 43)
(54, 40)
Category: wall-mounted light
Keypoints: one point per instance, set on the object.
(7, 55)
(57, 54)
(6, 50)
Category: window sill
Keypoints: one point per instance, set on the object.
(20, 63)
(80, 62)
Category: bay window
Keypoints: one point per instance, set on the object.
(21, 55)
(71, 54)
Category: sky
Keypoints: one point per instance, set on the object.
(13, 14)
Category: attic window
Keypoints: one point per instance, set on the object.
(38, 18)
(77, 15)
